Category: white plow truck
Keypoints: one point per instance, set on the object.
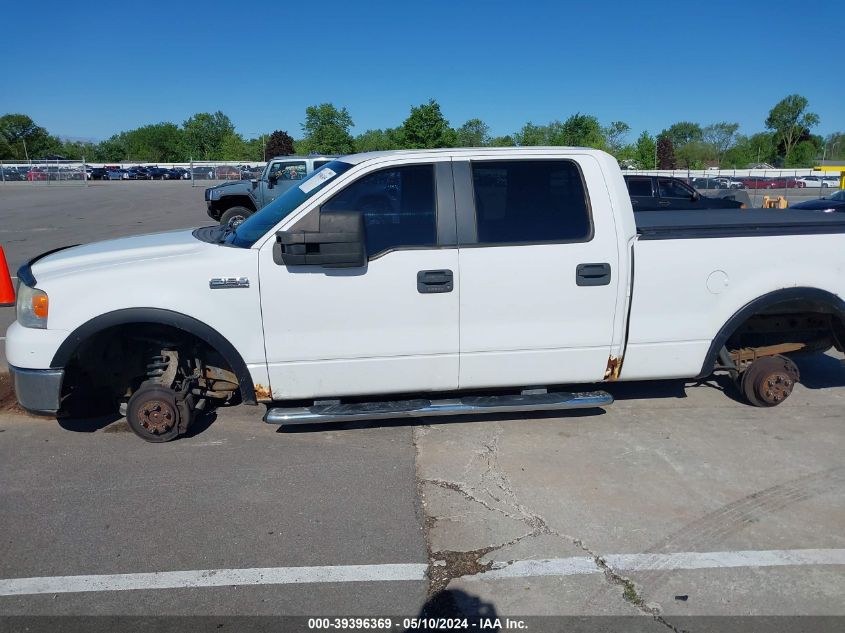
(418, 283)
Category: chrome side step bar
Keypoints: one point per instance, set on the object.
(422, 407)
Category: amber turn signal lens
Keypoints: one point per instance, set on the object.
(40, 306)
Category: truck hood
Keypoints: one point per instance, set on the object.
(127, 250)
(232, 186)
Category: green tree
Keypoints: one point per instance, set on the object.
(614, 137)
(531, 134)
(473, 133)
(645, 151)
(233, 147)
(159, 142)
(579, 130)
(696, 155)
(24, 138)
(204, 134)
(502, 141)
(280, 143)
(789, 120)
(750, 150)
(375, 140)
(327, 130)
(665, 153)
(426, 127)
(722, 136)
(682, 133)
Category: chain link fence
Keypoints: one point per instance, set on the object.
(44, 172)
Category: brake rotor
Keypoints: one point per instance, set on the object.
(157, 416)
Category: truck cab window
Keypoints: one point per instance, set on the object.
(639, 187)
(530, 201)
(290, 170)
(670, 188)
(398, 205)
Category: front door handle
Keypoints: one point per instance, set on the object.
(431, 281)
(592, 275)
(663, 203)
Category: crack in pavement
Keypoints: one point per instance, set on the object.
(445, 566)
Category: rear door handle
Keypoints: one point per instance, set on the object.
(592, 275)
(431, 281)
(663, 203)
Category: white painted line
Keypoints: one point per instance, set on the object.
(391, 573)
(665, 562)
(715, 560)
(212, 578)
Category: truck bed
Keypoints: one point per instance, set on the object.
(716, 223)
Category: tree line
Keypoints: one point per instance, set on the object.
(787, 141)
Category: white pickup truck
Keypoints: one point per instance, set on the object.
(420, 283)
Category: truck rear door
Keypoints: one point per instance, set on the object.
(539, 270)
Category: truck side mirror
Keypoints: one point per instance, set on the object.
(340, 243)
(272, 179)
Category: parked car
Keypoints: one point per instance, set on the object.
(138, 173)
(236, 201)
(384, 274)
(179, 173)
(158, 173)
(10, 174)
(814, 181)
(709, 183)
(656, 193)
(224, 172)
(788, 182)
(832, 181)
(759, 182)
(118, 174)
(834, 202)
(96, 173)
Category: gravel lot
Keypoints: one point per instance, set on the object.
(678, 501)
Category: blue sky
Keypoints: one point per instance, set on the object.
(89, 70)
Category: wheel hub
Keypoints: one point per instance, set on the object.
(157, 416)
(776, 387)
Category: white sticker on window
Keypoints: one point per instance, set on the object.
(317, 179)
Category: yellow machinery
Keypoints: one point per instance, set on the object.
(774, 203)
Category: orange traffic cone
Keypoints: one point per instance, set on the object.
(7, 290)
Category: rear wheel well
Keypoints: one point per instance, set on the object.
(811, 320)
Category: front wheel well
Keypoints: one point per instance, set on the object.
(807, 318)
(227, 202)
(112, 363)
(96, 345)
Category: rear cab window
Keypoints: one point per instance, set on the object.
(530, 202)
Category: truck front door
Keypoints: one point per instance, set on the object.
(388, 327)
(282, 175)
(540, 275)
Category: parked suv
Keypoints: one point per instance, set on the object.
(239, 199)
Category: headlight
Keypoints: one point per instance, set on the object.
(32, 307)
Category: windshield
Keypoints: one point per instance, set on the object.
(257, 225)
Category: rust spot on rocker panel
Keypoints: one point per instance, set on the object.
(262, 393)
(614, 366)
